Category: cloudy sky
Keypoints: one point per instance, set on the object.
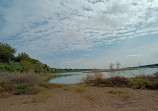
(82, 33)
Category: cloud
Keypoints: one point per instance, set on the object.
(52, 26)
(64, 22)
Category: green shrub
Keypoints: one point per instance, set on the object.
(140, 82)
(21, 88)
(12, 67)
(122, 94)
(27, 65)
(79, 89)
(20, 91)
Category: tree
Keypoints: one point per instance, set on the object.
(23, 56)
(28, 66)
(6, 52)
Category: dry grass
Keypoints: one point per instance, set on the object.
(5, 94)
(79, 89)
(6, 88)
(122, 94)
(67, 89)
(95, 79)
(34, 90)
(24, 83)
(46, 85)
(27, 78)
(41, 97)
(58, 85)
(88, 97)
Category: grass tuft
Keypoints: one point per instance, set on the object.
(122, 94)
(79, 89)
(88, 97)
(41, 97)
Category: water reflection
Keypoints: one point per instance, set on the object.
(76, 77)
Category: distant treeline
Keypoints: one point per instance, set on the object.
(146, 66)
(24, 63)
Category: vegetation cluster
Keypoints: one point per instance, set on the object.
(23, 62)
(23, 75)
(138, 82)
(16, 83)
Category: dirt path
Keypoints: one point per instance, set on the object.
(74, 98)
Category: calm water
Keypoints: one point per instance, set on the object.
(76, 77)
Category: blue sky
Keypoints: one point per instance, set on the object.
(82, 33)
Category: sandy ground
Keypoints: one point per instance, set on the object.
(92, 99)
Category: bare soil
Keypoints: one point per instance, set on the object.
(91, 99)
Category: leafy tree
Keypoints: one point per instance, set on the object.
(23, 56)
(6, 52)
(28, 66)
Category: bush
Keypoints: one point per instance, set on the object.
(6, 86)
(154, 86)
(140, 82)
(27, 65)
(116, 81)
(10, 67)
(153, 77)
(46, 85)
(89, 79)
(19, 91)
(95, 79)
(21, 88)
(30, 79)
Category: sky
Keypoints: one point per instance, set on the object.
(82, 33)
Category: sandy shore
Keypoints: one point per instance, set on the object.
(91, 99)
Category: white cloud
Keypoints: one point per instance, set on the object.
(68, 25)
(64, 22)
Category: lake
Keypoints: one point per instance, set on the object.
(77, 77)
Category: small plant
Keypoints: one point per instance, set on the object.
(24, 102)
(21, 88)
(79, 89)
(41, 97)
(140, 82)
(46, 85)
(88, 97)
(20, 91)
(121, 94)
